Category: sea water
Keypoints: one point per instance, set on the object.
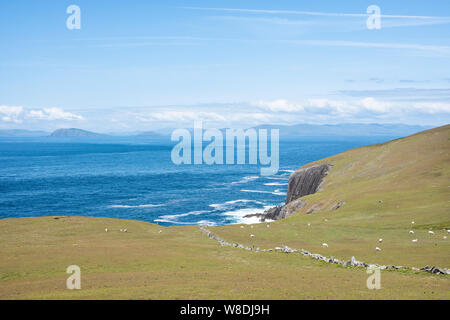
(134, 178)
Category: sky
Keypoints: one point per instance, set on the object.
(145, 65)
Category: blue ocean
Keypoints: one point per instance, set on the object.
(134, 178)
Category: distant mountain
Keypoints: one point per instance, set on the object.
(148, 134)
(22, 133)
(348, 129)
(73, 132)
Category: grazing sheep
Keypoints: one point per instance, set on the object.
(242, 227)
(377, 249)
(414, 240)
(268, 226)
(430, 232)
(106, 229)
(444, 237)
(412, 222)
(324, 245)
(125, 230)
(252, 236)
(411, 232)
(251, 227)
(160, 231)
(448, 230)
(380, 240)
(309, 224)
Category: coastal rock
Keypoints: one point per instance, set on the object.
(285, 211)
(306, 181)
(301, 183)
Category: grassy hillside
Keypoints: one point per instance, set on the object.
(385, 187)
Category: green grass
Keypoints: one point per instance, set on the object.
(410, 176)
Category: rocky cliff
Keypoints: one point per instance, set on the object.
(301, 183)
(306, 181)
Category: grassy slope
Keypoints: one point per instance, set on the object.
(410, 175)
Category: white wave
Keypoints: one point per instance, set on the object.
(246, 179)
(223, 206)
(275, 184)
(276, 192)
(277, 178)
(238, 216)
(191, 213)
(290, 171)
(279, 193)
(136, 206)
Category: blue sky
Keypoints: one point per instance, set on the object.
(140, 65)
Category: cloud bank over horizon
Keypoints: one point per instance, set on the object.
(238, 115)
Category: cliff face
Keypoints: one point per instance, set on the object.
(306, 181)
(301, 183)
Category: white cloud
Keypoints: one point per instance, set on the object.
(374, 105)
(432, 107)
(11, 113)
(53, 114)
(280, 105)
(181, 116)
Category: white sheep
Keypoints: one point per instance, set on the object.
(380, 240)
(430, 232)
(160, 231)
(324, 245)
(411, 232)
(412, 222)
(125, 230)
(444, 237)
(106, 229)
(448, 230)
(252, 236)
(268, 226)
(309, 224)
(414, 240)
(242, 227)
(377, 249)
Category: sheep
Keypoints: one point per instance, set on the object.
(448, 230)
(242, 227)
(430, 232)
(160, 231)
(106, 229)
(380, 240)
(309, 224)
(324, 245)
(411, 232)
(268, 226)
(125, 230)
(252, 236)
(414, 240)
(444, 237)
(377, 249)
(412, 222)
